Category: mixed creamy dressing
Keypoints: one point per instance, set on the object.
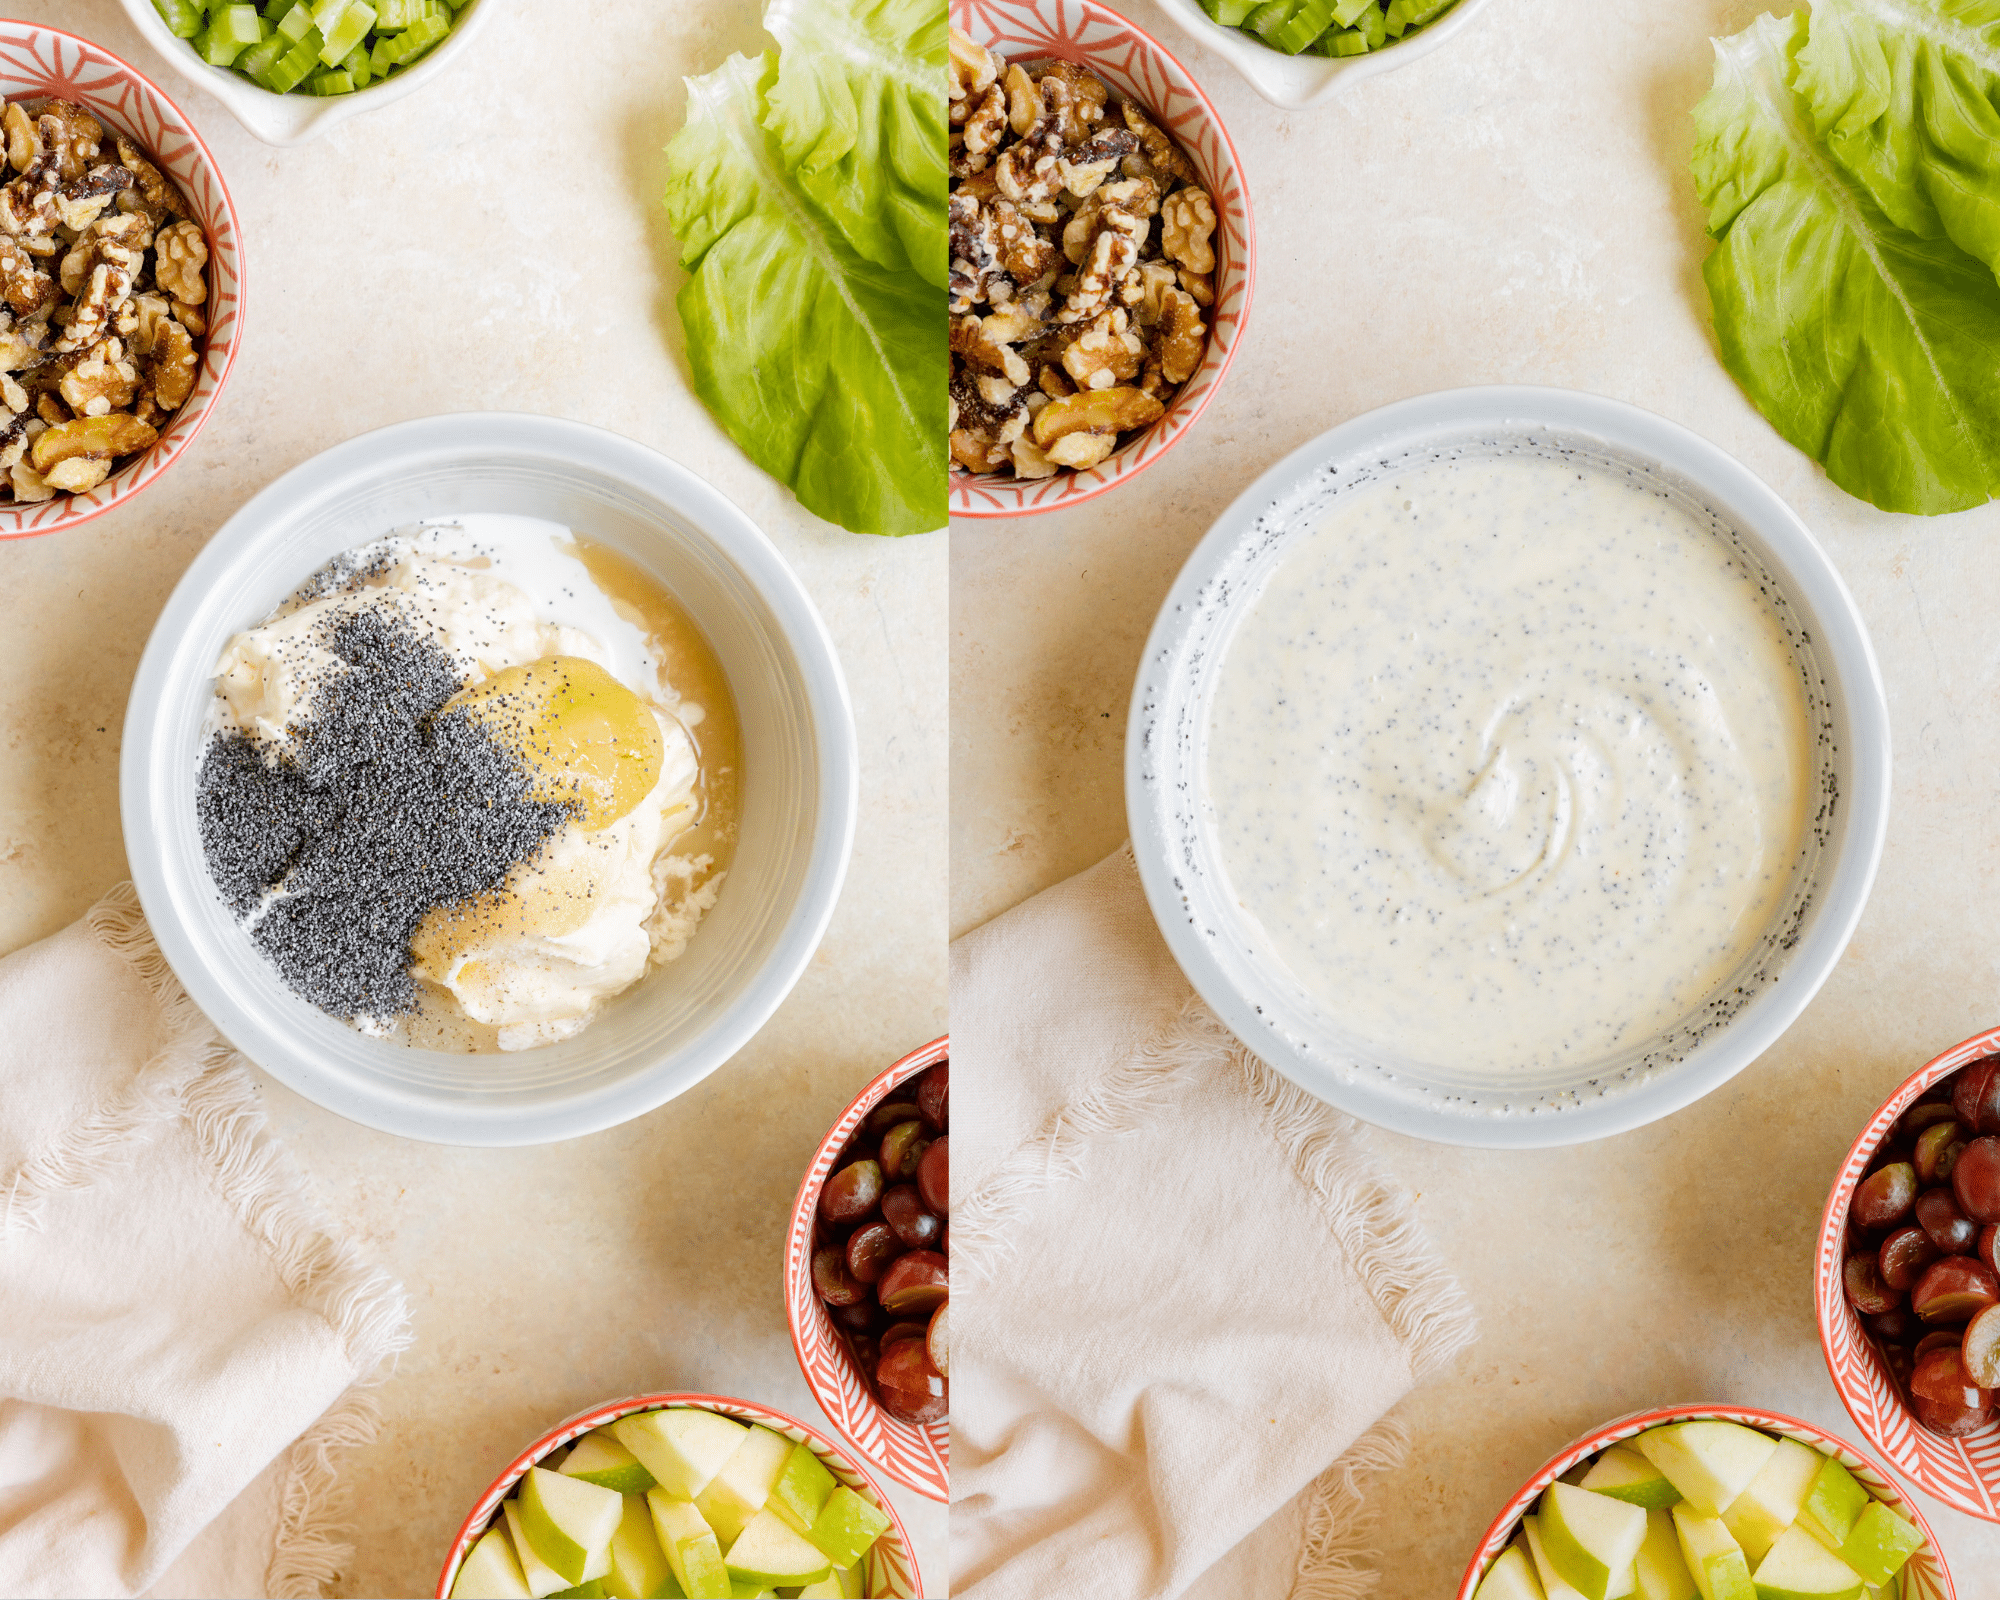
(1510, 761)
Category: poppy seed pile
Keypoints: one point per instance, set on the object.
(378, 810)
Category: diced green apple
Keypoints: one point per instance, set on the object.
(1714, 1558)
(1660, 1571)
(600, 1459)
(802, 1490)
(1512, 1577)
(1711, 1463)
(1591, 1539)
(489, 1571)
(1799, 1567)
(1833, 1504)
(768, 1552)
(738, 1492)
(542, 1580)
(570, 1523)
(751, 1591)
(1880, 1543)
(690, 1545)
(847, 1527)
(828, 1588)
(1770, 1504)
(593, 1590)
(1626, 1475)
(683, 1449)
(1552, 1583)
(639, 1569)
(853, 1580)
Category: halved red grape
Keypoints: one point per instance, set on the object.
(1883, 1199)
(1939, 1338)
(908, 1385)
(1987, 1247)
(1975, 1181)
(1950, 1229)
(1898, 1325)
(892, 1112)
(1937, 1152)
(1981, 1351)
(851, 1193)
(1948, 1421)
(914, 1285)
(938, 1341)
(903, 1146)
(859, 1317)
(933, 1091)
(1923, 1114)
(1904, 1256)
(834, 1283)
(915, 1223)
(1941, 1375)
(1975, 1095)
(1867, 1291)
(934, 1175)
(896, 1332)
(871, 1249)
(1954, 1289)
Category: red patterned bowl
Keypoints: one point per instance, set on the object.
(912, 1455)
(1924, 1578)
(1961, 1472)
(892, 1565)
(36, 61)
(1139, 69)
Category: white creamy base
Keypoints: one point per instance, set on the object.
(496, 592)
(1510, 762)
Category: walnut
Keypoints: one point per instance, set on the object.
(179, 254)
(171, 367)
(121, 240)
(28, 212)
(984, 125)
(71, 138)
(115, 435)
(23, 285)
(1026, 255)
(1030, 461)
(1105, 353)
(1105, 411)
(1181, 336)
(21, 342)
(1088, 164)
(30, 485)
(148, 311)
(1199, 284)
(1024, 103)
(83, 201)
(150, 191)
(1155, 279)
(1082, 451)
(78, 474)
(92, 311)
(1187, 221)
(1112, 254)
(50, 409)
(971, 233)
(973, 68)
(14, 441)
(24, 145)
(190, 318)
(1139, 196)
(1054, 384)
(977, 452)
(102, 382)
(1028, 173)
(971, 339)
(1160, 151)
(1082, 98)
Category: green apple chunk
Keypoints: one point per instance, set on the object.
(542, 1580)
(1714, 1558)
(639, 1569)
(1660, 1572)
(690, 1545)
(570, 1523)
(682, 1449)
(1552, 1583)
(593, 1590)
(489, 1571)
(1771, 1503)
(1833, 1504)
(600, 1459)
(853, 1580)
(751, 1591)
(769, 1552)
(802, 1490)
(1799, 1567)
(1626, 1475)
(1511, 1577)
(738, 1492)
(1880, 1544)
(828, 1588)
(1591, 1539)
(1711, 1463)
(847, 1527)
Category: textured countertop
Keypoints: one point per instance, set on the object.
(495, 242)
(1516, 208)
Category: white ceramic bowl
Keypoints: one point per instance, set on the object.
(296, 118)
(1296, 82)
(1223, 953)
(681, 1022)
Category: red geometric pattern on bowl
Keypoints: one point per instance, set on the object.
(1142, 71)
(1961, 1472)
(1926, 1576)
(918, 1457)
(36, 61)
(892, 1567)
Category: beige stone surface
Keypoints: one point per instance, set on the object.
(1516, 208)
(495, 241)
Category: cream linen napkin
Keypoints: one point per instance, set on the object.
(180, 1336)
(1186, 1301)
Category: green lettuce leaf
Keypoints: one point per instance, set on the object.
(1906, 94)
(827, 368)
(1870, 347)
(859, 110)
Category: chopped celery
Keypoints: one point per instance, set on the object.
(348, 31)
(1270, 16)
(1302, 27)
(330, 83)
(215, 50)
(395, 15)
(1351, 27)
(1374, 28)
(182, 18)
(1345, 11)
(1422, 11)
(289, 70)
(413, 41)
(296, 23)
(1394, 23)
(1347, 42)
(1230, 13)
(356, 66)
(256, 61)
(239, 24)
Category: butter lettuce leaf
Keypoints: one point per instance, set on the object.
(829, 369)
(1873, 348)
(1906, 94)
(860, 111)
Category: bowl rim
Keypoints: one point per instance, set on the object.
(1830, 1299)
(1634, 1422)
(290, 125)
(578, 1423)
(128, 491)
(1264, 68)
(798, 1254)
(1843, 635)
(444, 1118)
(1184, 421)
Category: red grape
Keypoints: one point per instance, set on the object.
(871, 1249)
(1904, 1256)
(1898, 1325)
(1921, 1115)
(1975, 1095)
(1941, 1375)
(898, 1331)
(934, 1175)
(1953, 1289)
(1883, 1199)
(938, 1342)
(1987, 1247)
(836, 1285)
(903, 1146)
(891, 1112)
(1975, 1181)
(1937, 1338)
(1937, 1152)
(909, 1385)
(1982, 1349)
(851, 1193)
(914, 1285)
(1950, 1229)
(915, 1223)
(932, 1090)
(1946, 1420)
(858, 1317)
